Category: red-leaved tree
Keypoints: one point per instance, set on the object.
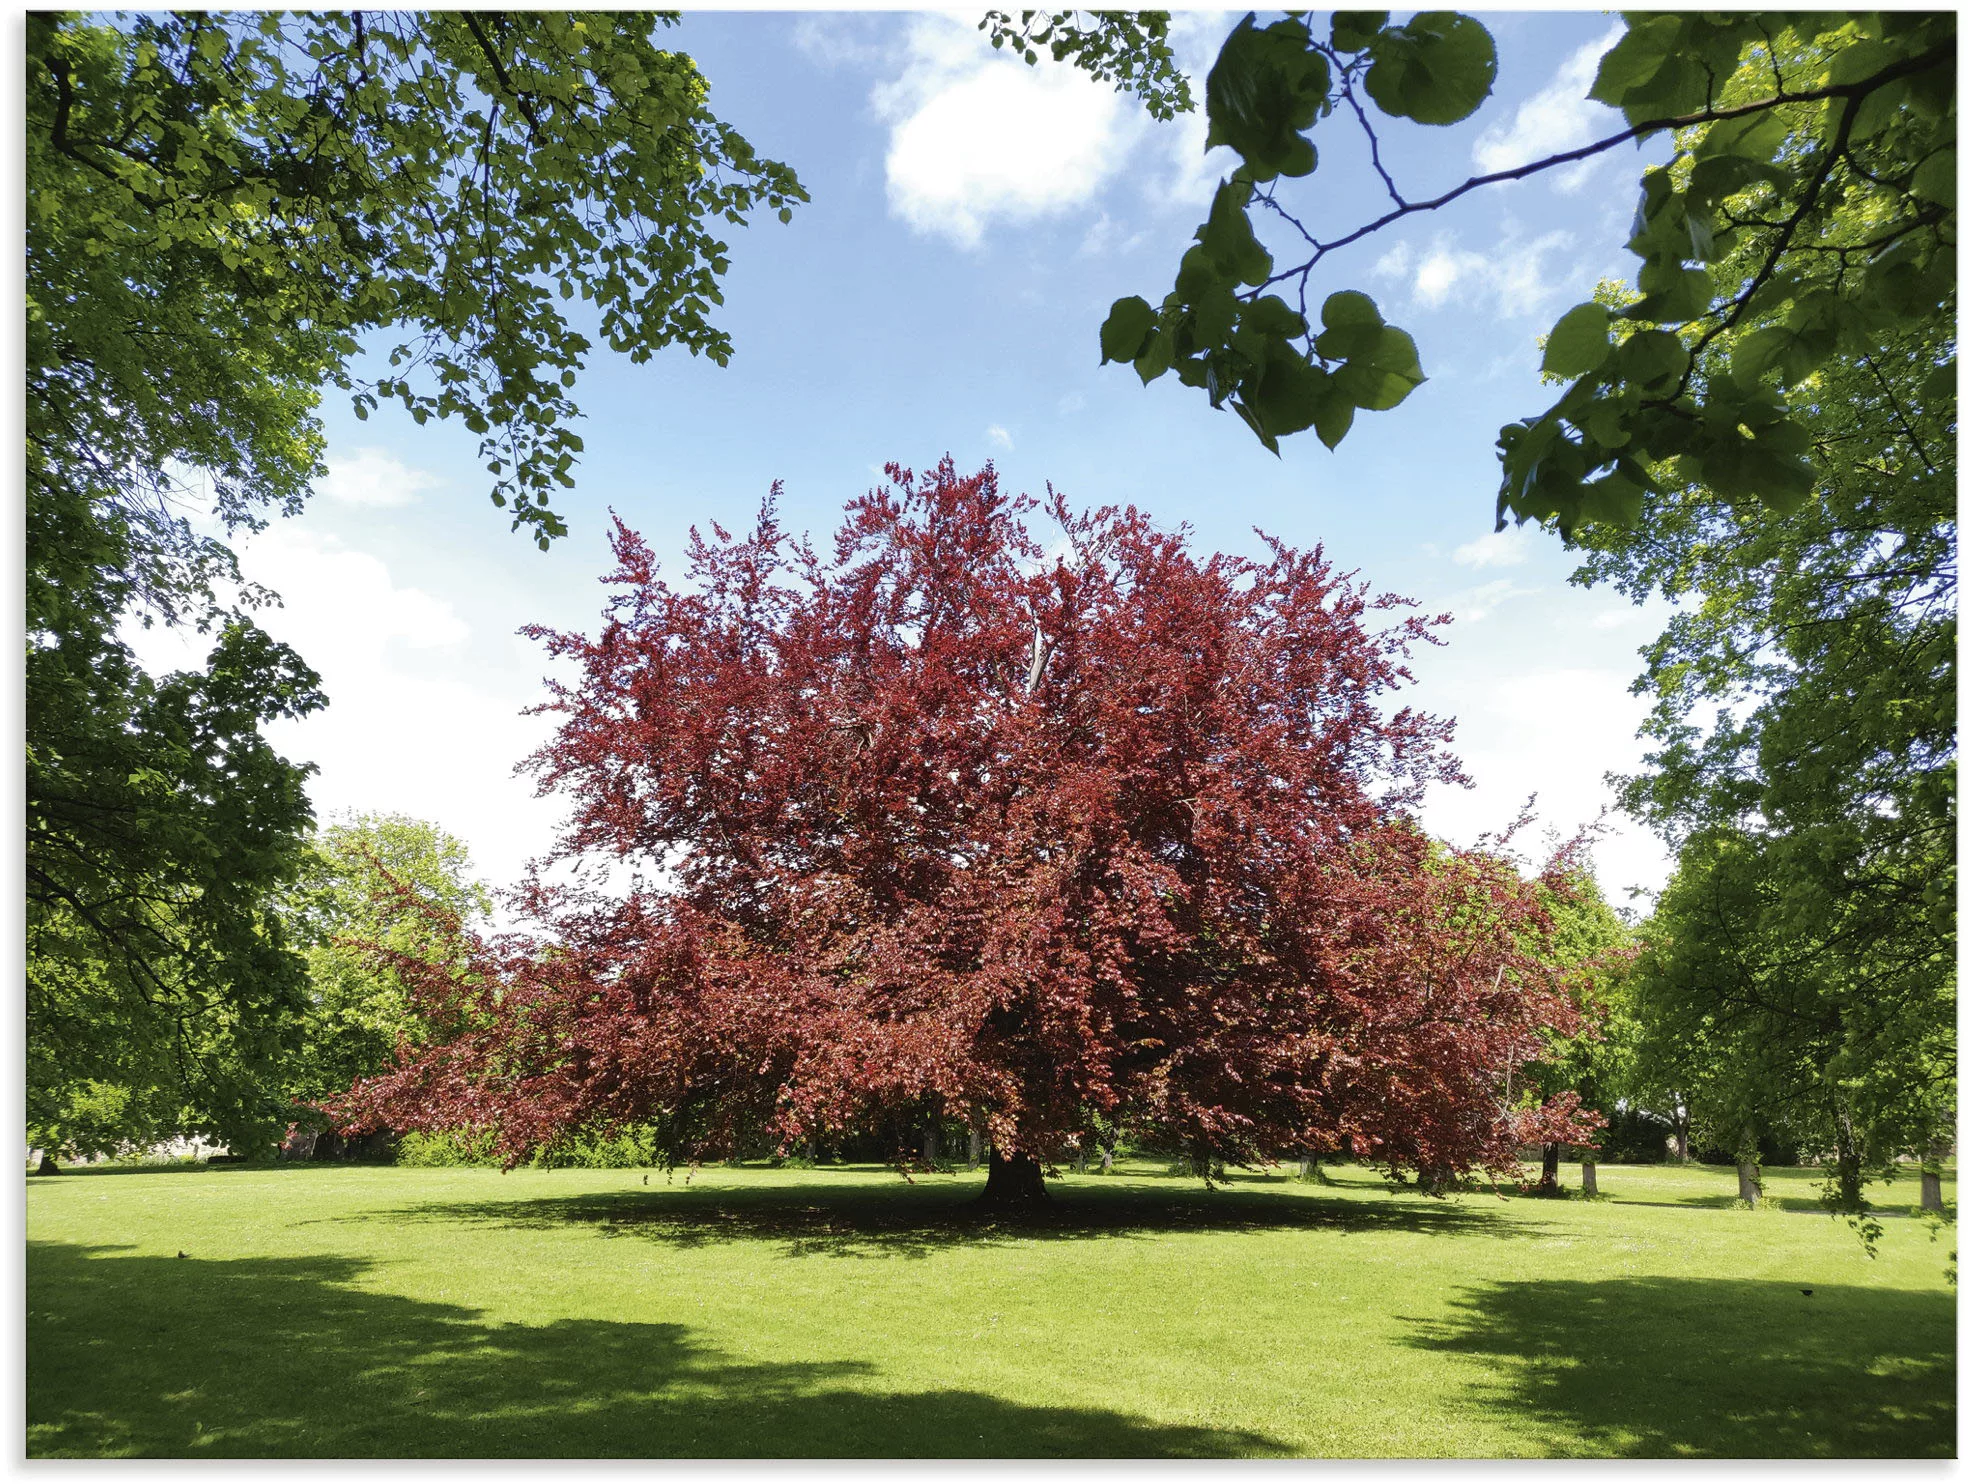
(953, 824)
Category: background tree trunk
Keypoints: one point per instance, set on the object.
(1107, 1162)
(929, 1144)
(1016, 1183)
(1548, 1179)
(1749, 1182)
(49, 1167)
(976, 1146)
(1930, 1175)
(1589, 1176)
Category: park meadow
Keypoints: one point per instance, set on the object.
(749, 1312)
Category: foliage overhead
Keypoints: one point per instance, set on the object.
(1807, 216)
(222, 208)
(221, 211)
(951, 824)
(1127, 48)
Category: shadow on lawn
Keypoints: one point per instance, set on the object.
(1711, 1367)
(913, 1222)
(260, 1357)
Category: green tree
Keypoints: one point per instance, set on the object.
(160, 988)
(372, 885)
(1804, 754)
(1591, 948)
(223, 212)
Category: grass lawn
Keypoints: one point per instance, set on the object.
(373, 1311)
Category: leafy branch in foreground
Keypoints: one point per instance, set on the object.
(1127, 48)
(1814, 158)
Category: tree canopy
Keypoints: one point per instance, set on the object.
(225, 214)
(950, 823)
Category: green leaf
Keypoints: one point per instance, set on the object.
(1126, 330)
(1579, 341)
(1352, 30)
(1196, 273)
(1290, 393)
(1272, 317)
(1347, 308)
(1155, 354)
(1256, 425)
(1334, 419)
(1635, 58)
(1934, 179)
(1437, 69)
(1227, 236)
(1651, 358)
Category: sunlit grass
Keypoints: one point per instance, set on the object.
(365, 1311)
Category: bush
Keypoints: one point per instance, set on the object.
(627, 1149)
(456, 1147)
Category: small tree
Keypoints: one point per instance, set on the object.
(1115, 831)
(372, 881)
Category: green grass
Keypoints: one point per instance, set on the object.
(398, 1312)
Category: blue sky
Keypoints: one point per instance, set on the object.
(972, 218)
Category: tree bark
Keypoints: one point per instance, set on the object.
(1589, 1176)
(1930, 1174)
(929, 1145)
(1016, 1182)
(1107, 1162)
(49, 1167)
(1749, 1182)
(1548, 1179)
(976, 1147)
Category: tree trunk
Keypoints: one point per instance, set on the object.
(1107, 1162)
(1015, 1183)
(1930, 1174)
(929, 1145)
(976, 1147)
(1589, 1176)
(1749, 1182)
(1682, 1118)
(49, 1167)
(1548, 1178)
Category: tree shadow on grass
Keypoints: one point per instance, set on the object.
(1711, 1367)
(910, 1221)
(278, 1357)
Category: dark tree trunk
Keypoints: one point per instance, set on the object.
(49, 1167)
(1016, 1182)
(976, 1147)
(1548, 1178)
(1682, 1118)
(929, 1145)
(1589, 1176)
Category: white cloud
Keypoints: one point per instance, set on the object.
(342, 607)
(999, 435)
(1510, 547)
(979, 137)
(1480, 602)
(1071, 403)
(1558, 118)
(1514, 279)
(372, 477)
(1555, 733)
